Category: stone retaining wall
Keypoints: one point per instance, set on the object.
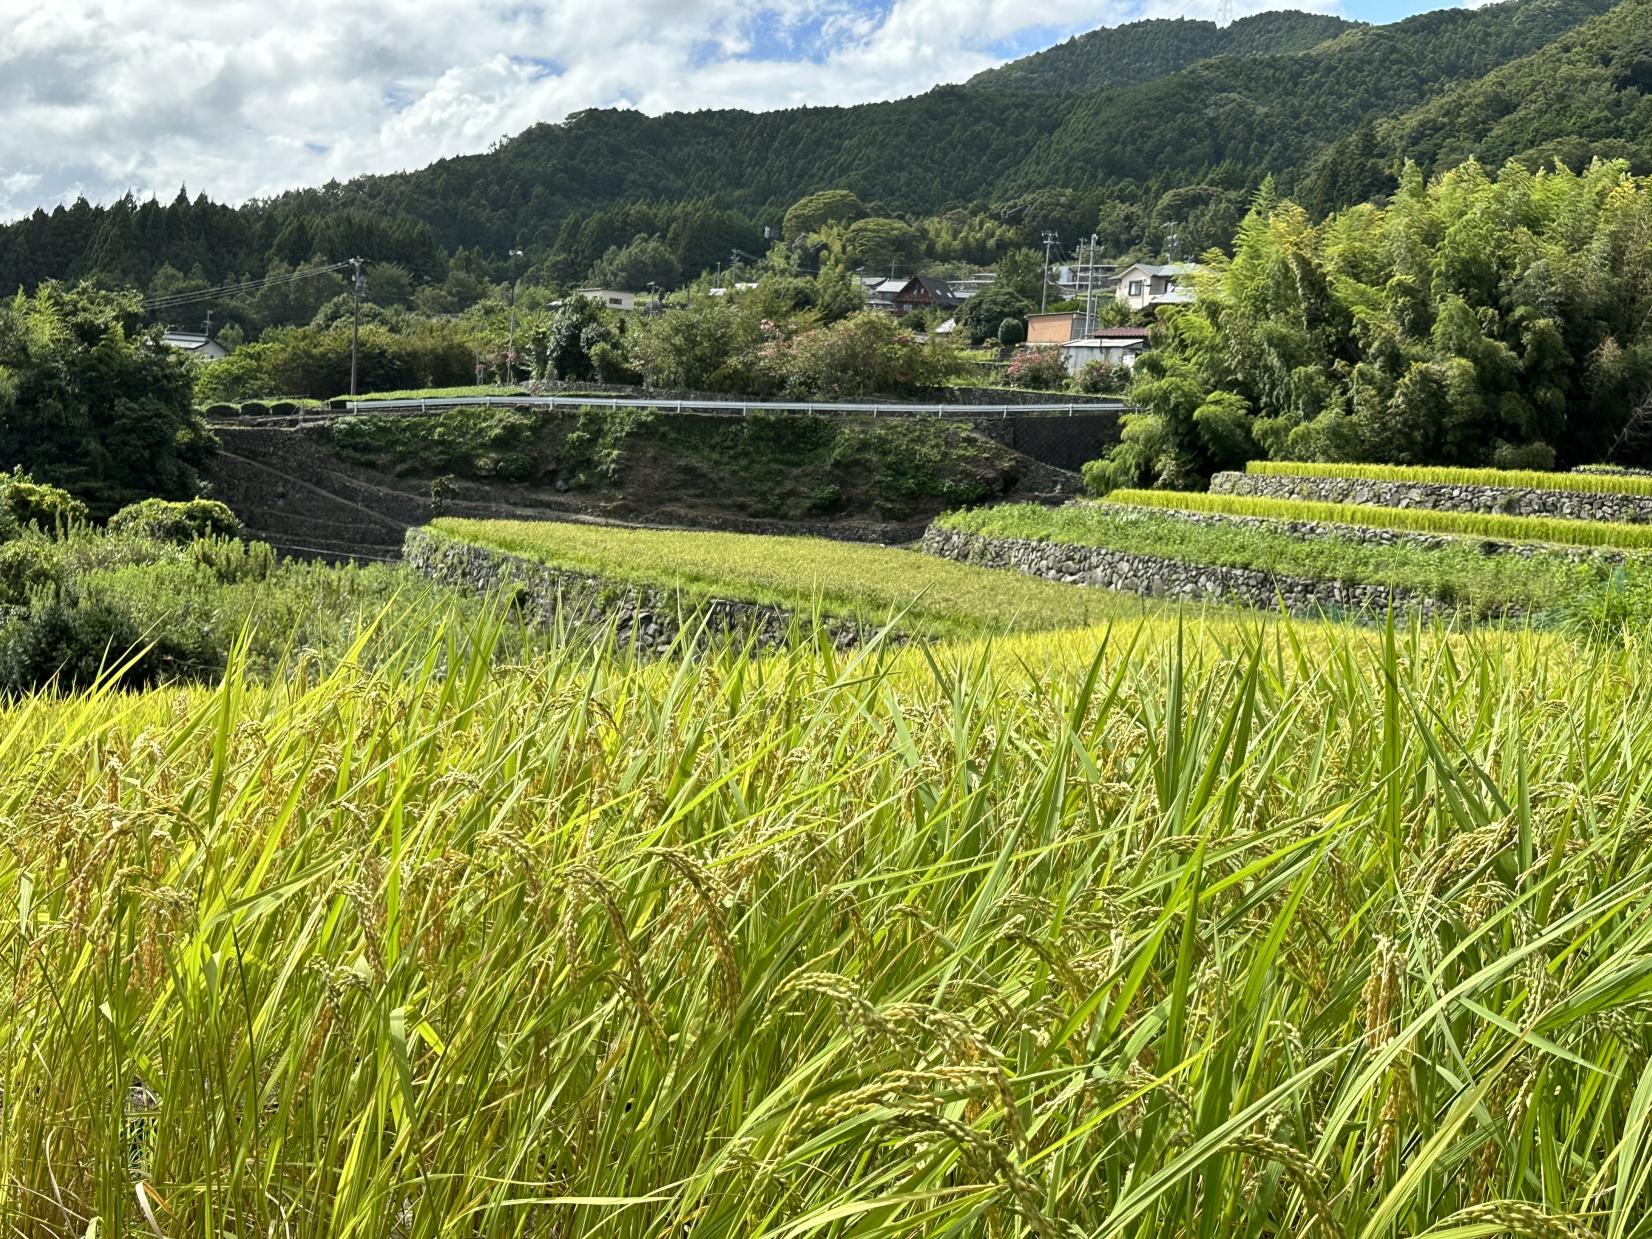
(1311, 531)
(1440, 497)
(1155, 577)
(647, 619)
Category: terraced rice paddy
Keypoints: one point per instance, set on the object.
(1239, 929)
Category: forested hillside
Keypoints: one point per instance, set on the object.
(1137, 133)
(1138, 52)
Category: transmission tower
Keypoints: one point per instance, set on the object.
(1224, 12)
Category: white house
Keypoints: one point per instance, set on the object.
(1117, 346)
(613, 298)
(1143, 285)
(194, 345)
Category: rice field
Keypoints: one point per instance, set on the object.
(1526, 479)
(1237, 928)
(1457, 572)
(920, 593)
(1539, 529)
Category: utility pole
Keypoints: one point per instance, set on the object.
(1044, 296)
(209, 325)
(510, 352)
(355, 324)
(1090, 282)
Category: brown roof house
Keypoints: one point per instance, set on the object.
(922, 291)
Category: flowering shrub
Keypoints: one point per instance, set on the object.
(1041, 368)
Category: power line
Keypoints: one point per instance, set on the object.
(231, 290)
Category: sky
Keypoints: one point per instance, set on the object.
(245, 98)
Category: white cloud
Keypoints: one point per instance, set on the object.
(244, 98)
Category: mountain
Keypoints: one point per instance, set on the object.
(1233, 119)
(1589, 92)
(1273, 113)
(1158, 126)
(1128, 55)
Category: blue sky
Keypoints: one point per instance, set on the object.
(244, 98)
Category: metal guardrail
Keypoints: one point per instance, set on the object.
(723, 408)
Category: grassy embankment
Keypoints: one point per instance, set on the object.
(1265, 929)
(1457, 572)
(772, 466)
(1482, 525)
(919, 593)
(1524, 479)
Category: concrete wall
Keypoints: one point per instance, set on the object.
(1440, 497)
(645, 618)
(1154, 577)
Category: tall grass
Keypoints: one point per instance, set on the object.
(1418, 520)
(1253, 931)
(1525, 479)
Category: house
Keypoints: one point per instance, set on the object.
(1141, 286)
(194, 345)
(613, 298)
(923, 291)
(1055, 328)
(881, 293)
(1117, 346)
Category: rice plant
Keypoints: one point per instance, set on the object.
(924, 594)
(1249, 930)
(1522, 479)
(1455, 571)
(1481, 525)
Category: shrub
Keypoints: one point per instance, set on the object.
(255, 408)
(169, 521)
(70, 640)
(1037, 368)
(283, 408)
(27, 566)
(26, 502)
(1100, 378)
(1012, 331)
(232, 559)
(1523, 456)
(222, 410)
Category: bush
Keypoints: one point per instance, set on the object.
(231, 559)
(1012, 331)
(71, 640)
(283, 408)
(222, 410)
(255, 408)
(27, 566)
(1037, 368)
(25, 502)
(1539, 456)
(179, 523)
(1100, 378)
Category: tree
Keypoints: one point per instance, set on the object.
(881, 244)
(982, 314)
(1022, 273)
(638, 265)
(808, 215)
(92, 402)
